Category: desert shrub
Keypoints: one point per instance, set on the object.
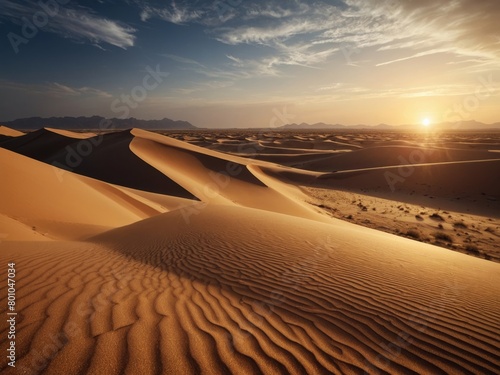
(443, 237)
(460, 224)
(436, 217)
(440, 226)
(472, 249)
(413, 234)
(418, 217)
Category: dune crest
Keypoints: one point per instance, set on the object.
(216, 178)
(4, 130)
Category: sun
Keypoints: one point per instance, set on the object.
(426, 122)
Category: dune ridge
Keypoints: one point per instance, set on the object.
(218, 180)
(4, 130)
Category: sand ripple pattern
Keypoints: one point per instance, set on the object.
(238, 292)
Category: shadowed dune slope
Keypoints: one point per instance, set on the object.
(217, 178)
(465, 186)
(238, 290)
(251, 148)
(39, 144)
(471, 186)
(60, 204)
(393, 156)
(110, 159)
(105, 157)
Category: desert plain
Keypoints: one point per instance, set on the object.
(251, 252)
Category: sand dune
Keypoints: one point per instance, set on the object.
(13, 230)
(321, 299)
(10, 132)
(60, 204)
(215, 178)
(393, 156)
(71, 134)
(105, 157)
(157, 256)
(463, 186)
(38, 144)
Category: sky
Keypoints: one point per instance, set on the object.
(235, 63)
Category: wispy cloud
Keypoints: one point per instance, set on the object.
(414, 56)
(285, 38)
(234, 69)
(414, 29)
(78, 23)
(463, 27)
(204, 86)
(173, 12)
(343, 91)
(60, 90)
(183, 60)
(54, 89)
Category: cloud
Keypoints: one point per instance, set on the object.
(93, 92)
(308, 34)
(267, 34)
(54, 89)
(57, 89)
(78, 23)
(183, 60)
(174, 13)
(344, 91)
(204, 86)
(462, 27)
(234, 59)
(235, 69)
(420, 54)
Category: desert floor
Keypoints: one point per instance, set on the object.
(246, 252)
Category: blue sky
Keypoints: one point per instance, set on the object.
(232, 63)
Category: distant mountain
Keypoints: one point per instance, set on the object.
(462, 125)
(96, 122)
(467, 125)
(318, 125)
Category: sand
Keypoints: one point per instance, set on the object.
(5, 131)
(250, 270)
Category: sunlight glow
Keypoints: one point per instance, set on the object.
(426, 122)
